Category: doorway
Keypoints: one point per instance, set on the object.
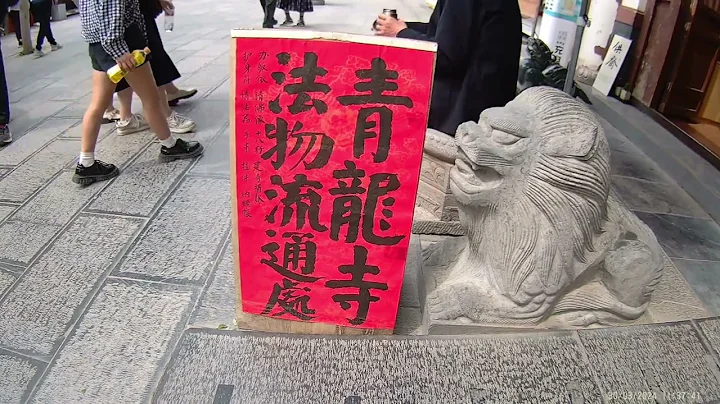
(685, 86)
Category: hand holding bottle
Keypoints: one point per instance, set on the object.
(126, 62)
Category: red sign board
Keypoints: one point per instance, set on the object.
(328, 143)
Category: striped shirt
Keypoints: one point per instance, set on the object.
(104, 22)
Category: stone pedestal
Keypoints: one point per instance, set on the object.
(436, 208)
(434, 189)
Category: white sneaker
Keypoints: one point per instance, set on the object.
(38, 54)
(180, 124)
(111, 116)
(55, 47)
(133, 125)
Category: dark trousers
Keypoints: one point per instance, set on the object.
(163, 68)
(269, 9)
(15, 18)
(41, 11)
(4, 101)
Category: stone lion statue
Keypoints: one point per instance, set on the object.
(544, 233)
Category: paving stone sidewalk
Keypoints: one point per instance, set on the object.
(114, 293)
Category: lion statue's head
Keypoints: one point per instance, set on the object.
(534, 177)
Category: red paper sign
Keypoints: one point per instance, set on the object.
(328, 144)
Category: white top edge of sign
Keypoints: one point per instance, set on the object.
(335, 36)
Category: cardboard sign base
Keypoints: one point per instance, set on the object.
(254, 322)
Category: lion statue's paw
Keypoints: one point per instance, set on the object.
(583, 319)
(444, 303)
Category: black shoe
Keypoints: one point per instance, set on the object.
(274, 22)
(99, 171)
(181, 150)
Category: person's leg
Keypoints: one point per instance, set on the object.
(170, 88)
(47, 5)
(37, 13)
(164, 72)
(288, 19)
(125, 103)
(101, 96)
(5, 135)
(111, 113)
(43, 18)
(270, 14)
(128, 123)
(88, 169)
(162, 96)
(178, 123)
(143, 83)
(301, 21)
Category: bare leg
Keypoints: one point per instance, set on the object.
(170, 88)
(162, 95)
(178, 123)
(88, 169)
(101, 96)
(111, 114)
(125, 99)
(142, 82)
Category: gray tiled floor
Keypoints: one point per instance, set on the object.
(97, 285)
(685, 237)
(657, 197)
(704, 277)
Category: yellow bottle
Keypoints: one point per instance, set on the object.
(116, 73)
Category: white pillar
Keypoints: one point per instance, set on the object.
(602, 15)
(558, 26)
(25, 27)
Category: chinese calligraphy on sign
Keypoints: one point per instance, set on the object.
(327, 143)
(610, 68)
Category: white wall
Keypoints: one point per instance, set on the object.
(602, 15)
(638, 5)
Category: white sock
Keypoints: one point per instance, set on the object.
(87, 159)
(169, 142)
